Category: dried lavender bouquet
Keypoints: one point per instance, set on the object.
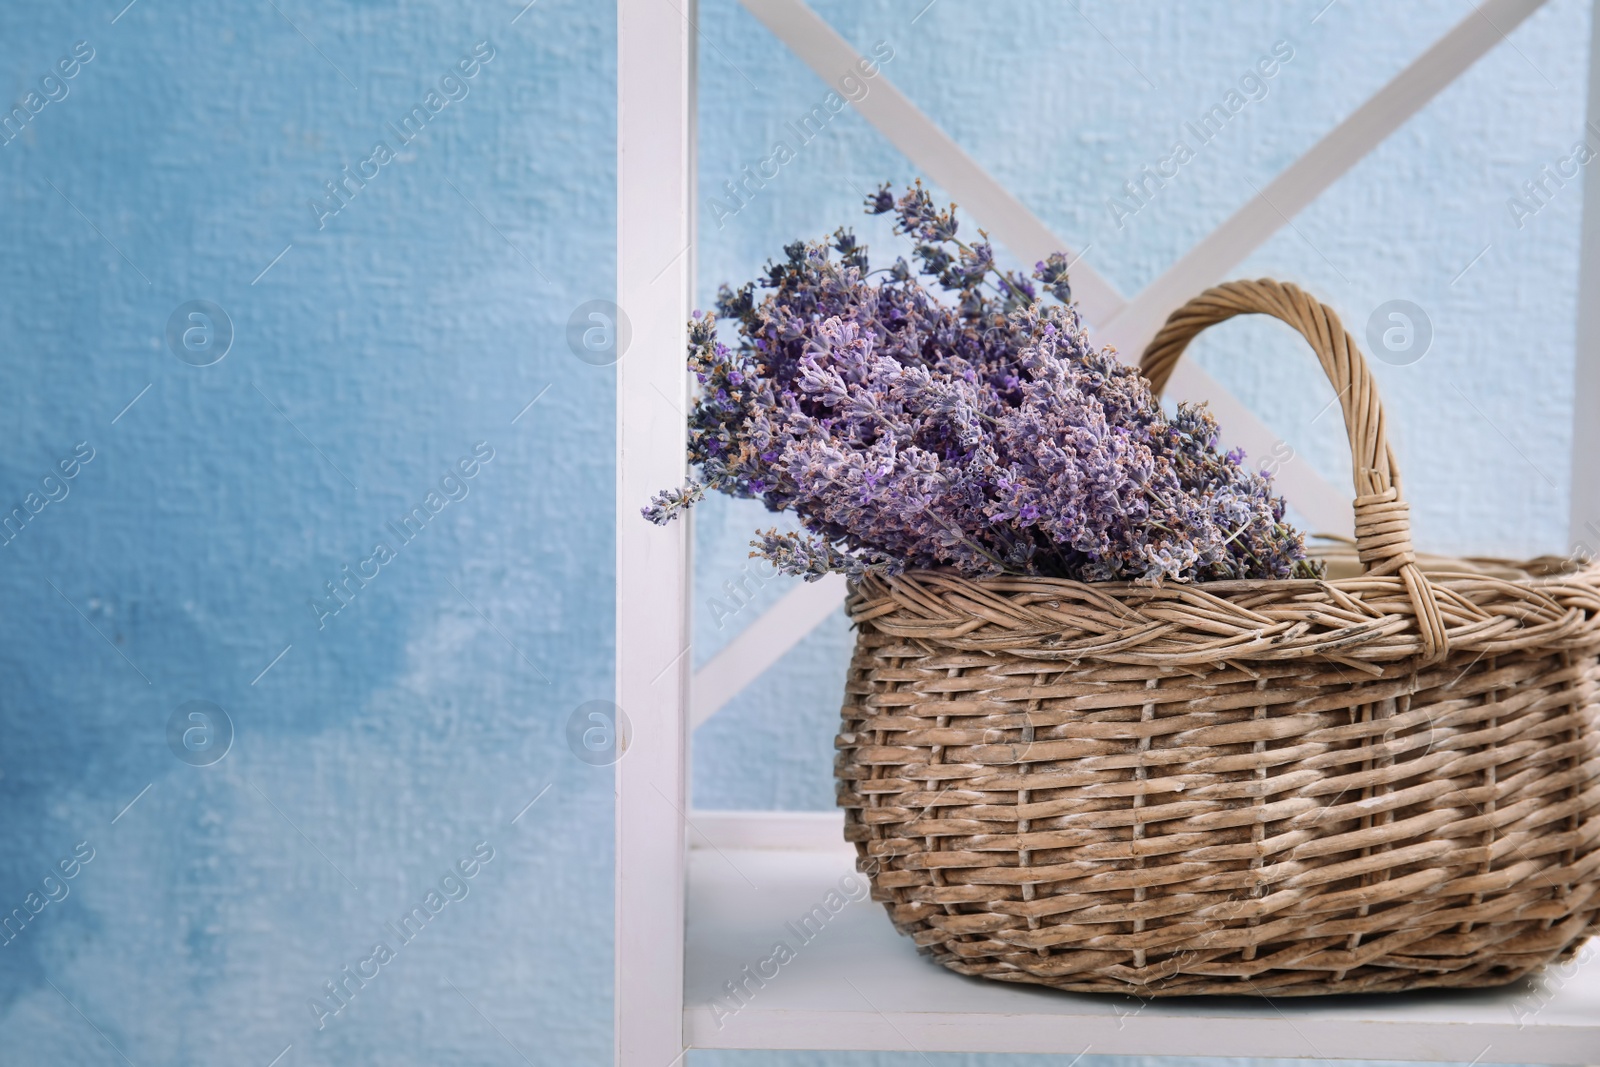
(981, 433)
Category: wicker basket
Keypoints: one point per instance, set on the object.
(1380, 781)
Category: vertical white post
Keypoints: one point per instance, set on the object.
(1585, 523)
(655, 168)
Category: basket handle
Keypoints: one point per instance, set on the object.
(1383, 518)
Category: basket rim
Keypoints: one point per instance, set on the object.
(1361, 621)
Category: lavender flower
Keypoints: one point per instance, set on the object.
(669, 503)
(985, 435)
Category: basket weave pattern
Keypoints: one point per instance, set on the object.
(1362, 784)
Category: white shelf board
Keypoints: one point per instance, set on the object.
(857, 984)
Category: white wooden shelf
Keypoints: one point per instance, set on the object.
(857, 984)
(689, 920)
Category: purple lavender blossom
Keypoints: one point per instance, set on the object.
(670, 503)
(986, 436)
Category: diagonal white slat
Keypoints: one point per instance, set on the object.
(761, 644)
(1325, 162)
(920, 140)
(1128, 326)
(1585, 519)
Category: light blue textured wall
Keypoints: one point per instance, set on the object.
(383, 345)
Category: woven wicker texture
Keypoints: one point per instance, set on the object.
(1383, 781)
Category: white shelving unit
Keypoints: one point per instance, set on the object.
(700, 896)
